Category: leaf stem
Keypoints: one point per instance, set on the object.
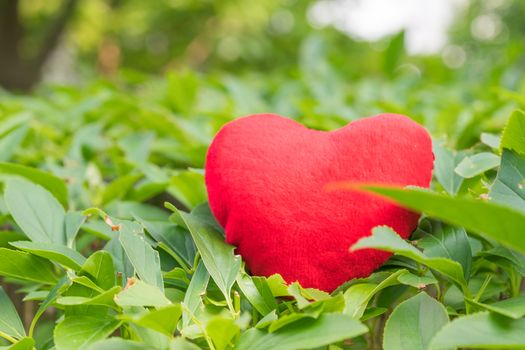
(484, 286)
(175, 256)
(200, 325)
(467, 295)
(7, 337)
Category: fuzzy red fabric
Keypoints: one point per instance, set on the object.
(266, 177)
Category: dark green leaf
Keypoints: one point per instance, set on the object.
(99, 267)
(144, 259)
(512, 307)
(477, 164)
(53, 184)
(10, 322)
(78, 332)
(197, 287)
(73, 221)
(481, 331)
(36, 211)
(448, 242)
(495, 221)
(139, 293)
(174, 237)
(509, 187)
(359, 295)
(413, 323)
(445, 163)
(385, 238)
(25, 266)
(120, 259)
(514, 133)
(222, 265)
(304, 334)
(162, 320)
(55, 252)
(261, 298)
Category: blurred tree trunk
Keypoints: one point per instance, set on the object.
(16, 71)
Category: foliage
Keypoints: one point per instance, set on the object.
(106, 231)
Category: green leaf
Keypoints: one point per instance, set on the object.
(182, 344)
(23, 344)
(60, 287)
(144, 259)
(509, 187)
(10, 142)
(119, 344)
(6, 237)
(87, 282)
(359, 295)
(173, 236)
(10, 322)
(137, 146)
(36, 211)
(477, 164)
(394, 53)
(500, 252)
(73, 221)
(304, 334)
(99, 267)
(105, 298)
(197, 287)
(373, 312)
(448, 242)
(512, 307)
(139, 293)
(384, 238)
(259, 295)
(25, 266)
(216, 254)
(481, 331)
(163, 320)
(222, 331)
(493, 220)
(413, 323)
(277, 285)
(119, 187)
(56, 252)
(267, 320)
(491, 140)
(514, 133)
(288, 319)
(53, 184)
(416, 281)
(120, 259)
(188, 187)
(78, 332)
(445, 163)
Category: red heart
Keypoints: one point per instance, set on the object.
(266, 177)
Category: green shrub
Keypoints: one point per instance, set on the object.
(103, 263)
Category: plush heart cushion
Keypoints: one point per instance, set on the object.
(267, 179)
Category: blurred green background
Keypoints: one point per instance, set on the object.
(76, 40)
(97, 90)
